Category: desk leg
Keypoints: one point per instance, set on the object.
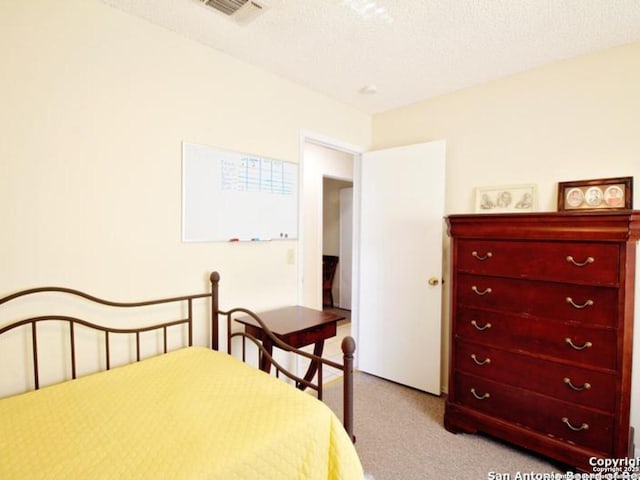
(265, 362)
(313, 366)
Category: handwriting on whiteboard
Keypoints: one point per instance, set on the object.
(255, 174)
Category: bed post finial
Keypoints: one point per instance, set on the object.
(348, 346)
(214, 278)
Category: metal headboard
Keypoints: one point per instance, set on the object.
(108, 331)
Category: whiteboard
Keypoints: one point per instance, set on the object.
(232, 196)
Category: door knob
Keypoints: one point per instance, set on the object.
(433, 281)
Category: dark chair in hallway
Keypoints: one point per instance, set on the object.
(329, 266)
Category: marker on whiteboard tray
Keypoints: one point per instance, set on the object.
(234, 239)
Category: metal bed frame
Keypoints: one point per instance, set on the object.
(348, 344)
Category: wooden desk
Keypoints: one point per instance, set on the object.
(297, 326)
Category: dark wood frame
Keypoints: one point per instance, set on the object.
(603, 227)
(626, 184)
(348, 348)
(296, 326)
(187, 301)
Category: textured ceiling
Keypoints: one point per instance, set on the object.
(429, 48)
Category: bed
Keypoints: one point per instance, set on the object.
(189, 412)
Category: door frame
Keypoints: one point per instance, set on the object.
(345, 247)
(307, 136)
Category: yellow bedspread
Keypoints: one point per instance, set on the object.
(190, 414)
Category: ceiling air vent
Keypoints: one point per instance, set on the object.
(242, 11)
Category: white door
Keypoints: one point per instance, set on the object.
(400, 240)
(346, 247)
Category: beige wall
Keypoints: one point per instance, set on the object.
(95, 105)
(571, 120)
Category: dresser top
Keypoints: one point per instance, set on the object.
(612, 226)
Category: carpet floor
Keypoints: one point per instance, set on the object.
(400, 436)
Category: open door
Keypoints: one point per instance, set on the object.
(400, 264)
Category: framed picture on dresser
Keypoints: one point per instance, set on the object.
(506, 199)
(598, 194)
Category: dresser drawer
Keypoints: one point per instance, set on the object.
(596, 347)
(586, 263)
(586, 304)
(573, 384)
(551, 417)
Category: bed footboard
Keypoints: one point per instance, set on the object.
(348, 349)
(108, 333)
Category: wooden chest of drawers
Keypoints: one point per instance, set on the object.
(542, 331)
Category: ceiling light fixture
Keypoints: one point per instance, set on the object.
(369, 9)
(369, 90)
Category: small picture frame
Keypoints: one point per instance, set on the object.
(506, 199)
(598, 194)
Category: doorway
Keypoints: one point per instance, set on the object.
(337, 243)
(326, 172)
(320, 162)
(422, 302)
(337, 248)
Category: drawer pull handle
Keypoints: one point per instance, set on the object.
(568, 381)
(484, 292)
(486, 256)
(584, 426)
(484, 396)
(486, 361)
(478, 327)
(586, 304)
(569, 342)
(589, 260)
